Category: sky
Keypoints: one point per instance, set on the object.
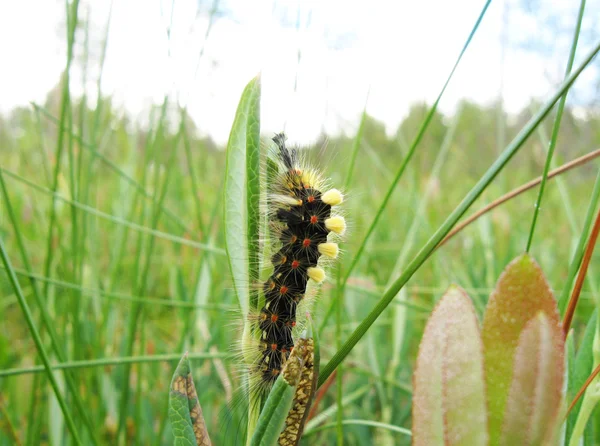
(321, 62)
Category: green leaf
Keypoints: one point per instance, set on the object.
(185, 412)
(534, 399)
(582, 368)
(278, 404)
(449, 406)
(242, 193)
(521, 292)
(253, 182)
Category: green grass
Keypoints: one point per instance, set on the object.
(113, 244)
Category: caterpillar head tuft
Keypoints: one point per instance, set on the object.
(288, 158)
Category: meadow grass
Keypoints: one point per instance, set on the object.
(113, 244)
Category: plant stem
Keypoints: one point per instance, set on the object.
(581, 276)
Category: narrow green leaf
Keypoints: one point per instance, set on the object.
(38, 343)
(185, 412)
(272, 417)
(278, 404)
(555, 128)
(413, 146)
(449, 406)
(389, 427)
(521, 292)
(563, 300)
(582, 368)
(241, 192)
(534, 399)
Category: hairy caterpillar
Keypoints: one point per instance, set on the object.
(301, 217)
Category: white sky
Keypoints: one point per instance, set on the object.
(400, 51)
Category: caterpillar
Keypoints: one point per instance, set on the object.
(301, 217)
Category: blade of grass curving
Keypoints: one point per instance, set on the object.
(413, 147)
(115, 361)
(331, 410)
(241, 185)
(117, 220)
(390, 427)
(38, 343)
(453, 218)
(114, 167)
(134, 317)
(45, 316)
(519, 190)
(555, 128)
(122, 296)
(579, 250)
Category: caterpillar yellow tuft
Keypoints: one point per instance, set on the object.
(303, 230)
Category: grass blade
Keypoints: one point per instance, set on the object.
(582, 367)
(413, 147)
(579, 251)
(556, 127)
(113, 361)
(281, 397)
(38, 342)
(453, 218)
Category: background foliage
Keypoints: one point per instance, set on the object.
(135, 263)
